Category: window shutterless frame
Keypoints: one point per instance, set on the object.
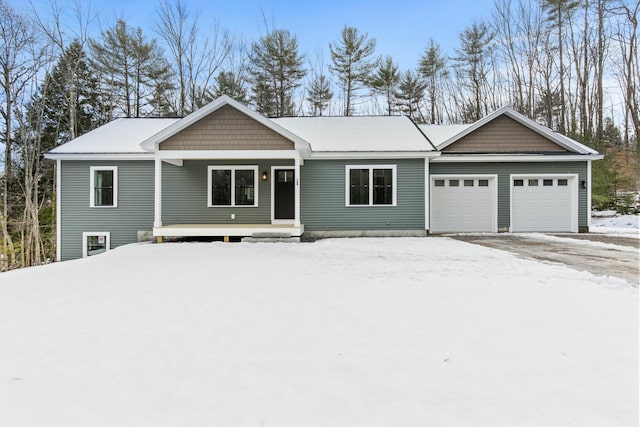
(233, 202)
(99, 190)
(95, 242)
(370, 173)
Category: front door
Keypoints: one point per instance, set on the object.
(284, 197)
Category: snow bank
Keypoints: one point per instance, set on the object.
(357, 332)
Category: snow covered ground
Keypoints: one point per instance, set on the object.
(346, 332)
(611, 223)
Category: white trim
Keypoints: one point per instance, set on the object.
(516, 158)
(573, 184)
(86, 234)
(372, 154)
(233, 169)
(157, 194)
(99, 156)
(493, 178)
(298, 178)
(561, 140)
(273, 195)
(427, 195)
(152, 142)
(92, 171)
(58, 207)
(588, 194)
(347, 182)
(225, 154)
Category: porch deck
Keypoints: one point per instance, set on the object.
(231, 230)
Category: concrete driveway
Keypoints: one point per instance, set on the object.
(617, 257)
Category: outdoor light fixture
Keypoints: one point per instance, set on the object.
(583, 185)
(265, 176)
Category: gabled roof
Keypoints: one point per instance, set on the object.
(150, 143)
(358, 133)
(437, 134)
(561, 140)
(121, 136)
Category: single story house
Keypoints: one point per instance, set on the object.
(226, 170)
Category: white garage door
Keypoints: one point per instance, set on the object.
(463, 203)
(544, 203)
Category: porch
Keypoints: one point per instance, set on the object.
(229, 230)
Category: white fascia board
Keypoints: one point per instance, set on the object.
(560, 140)
(152, 142)
(100, 156)
(517, 158)
(373, 154)
(225, 154)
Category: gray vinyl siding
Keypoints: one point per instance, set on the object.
(184, 194)
(323, 198)
(134, 211)
(504, 170)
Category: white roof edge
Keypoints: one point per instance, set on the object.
(98, 156)
(317, 155)
(517, 157)
(561, 140)
(149, 143)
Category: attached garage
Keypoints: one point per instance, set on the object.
(547, 203)
(463, 203)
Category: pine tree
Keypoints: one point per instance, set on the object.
(385, 80)
(70, 98)
(351, 63)
(319, 95)
(433, 67)
(131, 67)
(276, 70)
(230, 84)
(409, 95)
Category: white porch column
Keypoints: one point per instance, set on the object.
(296, 219)
(157, 213)
(427, 187)
(588, 193)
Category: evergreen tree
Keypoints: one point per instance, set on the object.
(385, 80)
(319, 95)
(69, 98)
(132, 69)
(433, 67)
(276, 70)
(409, 95)
(351, 63)
(230, 84)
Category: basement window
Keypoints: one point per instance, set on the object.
(94, 243)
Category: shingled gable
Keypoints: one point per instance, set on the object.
(225, 124)
(507, 131)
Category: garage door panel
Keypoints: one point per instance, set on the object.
(461, 208)
(544, 208)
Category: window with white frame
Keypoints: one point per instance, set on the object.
(370, 185)
(232, 186)
(94, 243)
(103, 191)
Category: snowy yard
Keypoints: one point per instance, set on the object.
(348, 332)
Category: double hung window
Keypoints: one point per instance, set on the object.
(103, 186)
